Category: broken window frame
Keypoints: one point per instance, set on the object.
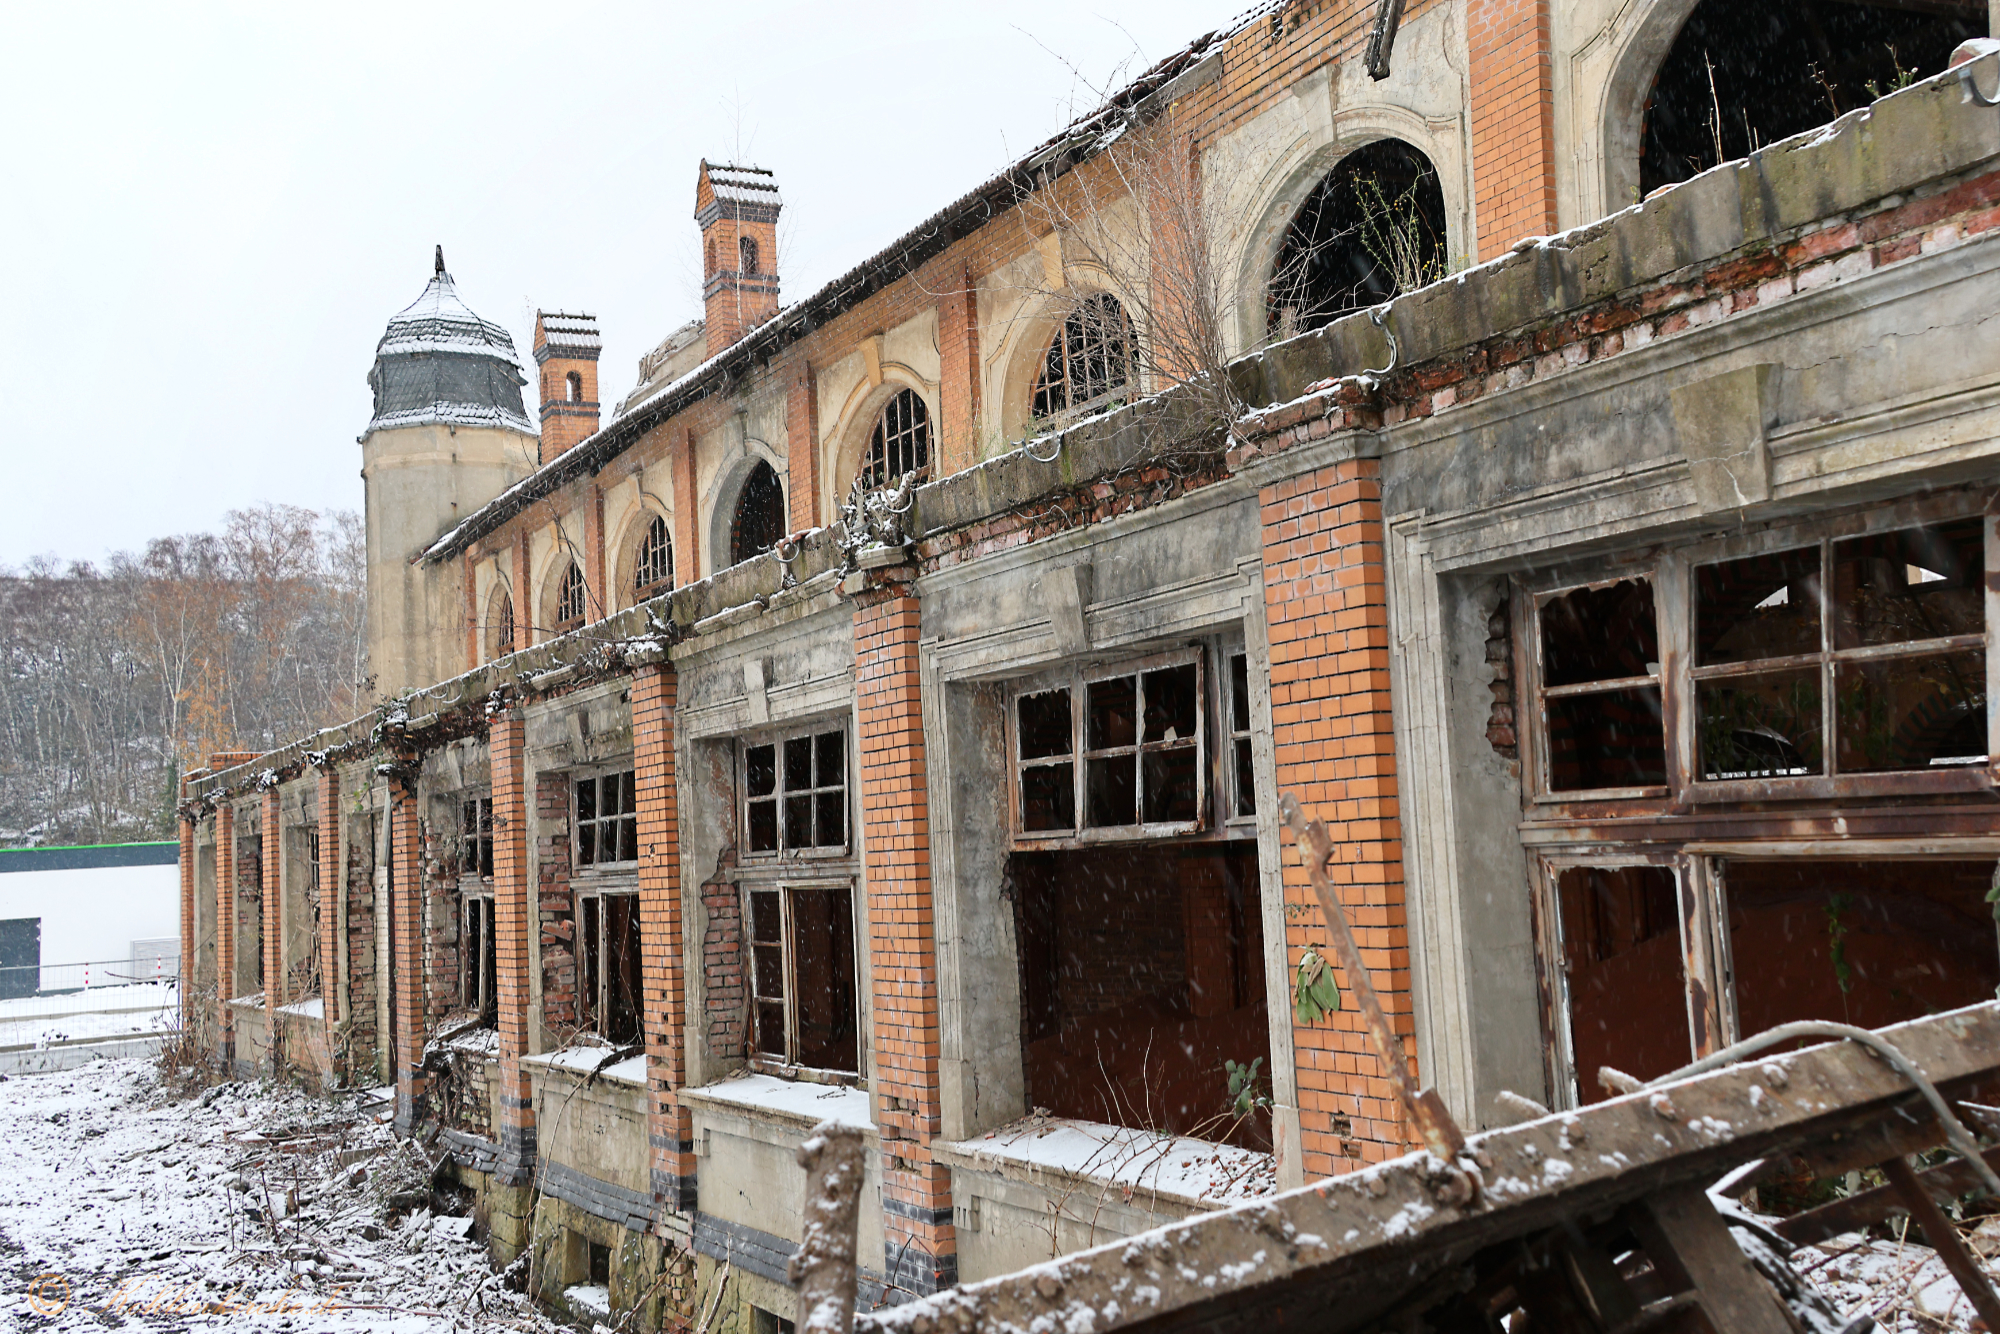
(594, 978)
(1528, 635)
(622, 778)
(572, 598)
(1242, 747)
(478, 965)
(1077, 680)
(475, 836)
(901, 441)
(776, 738)
(653, 564)
(786, 887)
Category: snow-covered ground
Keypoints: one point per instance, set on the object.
(258, 1208)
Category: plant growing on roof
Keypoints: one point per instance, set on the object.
(1314, 992)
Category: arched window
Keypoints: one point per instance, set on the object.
(746, 252)
(902, 441)
(575, 387)
(1741, 76)
(760, 515)
(1374, 227)
(501, 628)
(708, 255)
(570, 598)
(654, 570)
(1087, 359)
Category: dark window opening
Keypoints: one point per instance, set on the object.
(573, 387)
(760, 515)
(607, 819)
(476, 837)
(768, 1322)
(1088, 359)
(1866, 943)
(902, 439)
(1624, 973)
(802, 977)
(611, 996)
(479, 959)
(795, 793)
(746, 253)
(503, 627)
(654, 569)
(1243, 768)
(570, 598)
(1142, 971)
(1742, 76)
(600, 1263)
(1600, 684)
(1373, 228)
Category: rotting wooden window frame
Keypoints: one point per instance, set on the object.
(901, 441)
(623, 780)
(1077, 678)
(782, 793)
(1096, 325)
(478, 952)
(572, 597)
(599, 968)
(1672, 571)
(782, 890)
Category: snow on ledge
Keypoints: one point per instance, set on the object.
(1187, 1171)
(583, 1061)
(792, 1100)
(312, 1007)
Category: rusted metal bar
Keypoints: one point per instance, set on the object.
(1944, 1239)
(822, 1268)
(1872, 1206)
(1425, 1109)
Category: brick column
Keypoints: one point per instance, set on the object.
(596, 604)
(406, 946)
(332, 870)
(270, 879)
(225, 929)
(475, 647)
(802, 448)
(524, 598)
(190, 947)
(1325, 598)
(670, 1128)
(687, 507)
(1513, 122)
(895, 825)
(513, 918)
(958, 378)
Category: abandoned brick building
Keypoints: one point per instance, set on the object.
(882, 712)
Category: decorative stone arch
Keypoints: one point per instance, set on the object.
(1026, 348)
(624, 562)
(847, 443)
(725, 490)
(1296, 174)
(1608, 81)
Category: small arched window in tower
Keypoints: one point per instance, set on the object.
(574, 383)
(654, 570)
(902, 441)
(1088, 359)
(708, 256)
(760, 515)
(569, 598)
(746, 251)
(1372, 228)
(501, 627)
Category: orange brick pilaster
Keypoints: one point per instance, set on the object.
(1513, 122)
(895, 824)
(596, 605)
(225, 930)
(687, 520)
(513, 918)
(406, 948)
(670, 1129)
(1325, 598)
(270, 879)
(958, 377)
(802, 448)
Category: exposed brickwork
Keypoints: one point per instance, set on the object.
(802, 448)
(1513, 122)
(670, 1129)
(958, 375)
(406, 948)
(364, 978)
(515, 1115)
(1326, 600)
(597, 604)
(687, 517)
(565, 420)
(555, 905)
(271, 867)
(332, 839)
(190, 946)
(895, 822)
(723, 982)
(442, 864)
(739, 285)
(225, 929)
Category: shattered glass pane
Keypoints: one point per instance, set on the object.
(763, 826)
(1759, 607)
(1112, 706)
(1764, 726)
(1045, 724)
(1111, 795)
(799, 821)
(1611, 738)
(1172, 697)
(798, 763)
(1048, 798)
(830, 766)
(1246, 779)
(766, 918)
(1600, 634)
(1918, 583)
(760, 770)
(586, 799)
(586, 844)
(831, 820)
(1911, 713)
(1171, 792)
(1239, 693)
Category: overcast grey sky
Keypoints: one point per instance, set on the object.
(211, 211)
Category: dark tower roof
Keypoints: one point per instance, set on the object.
(440, 363)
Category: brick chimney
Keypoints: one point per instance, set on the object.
(737, 208)
(566, 348)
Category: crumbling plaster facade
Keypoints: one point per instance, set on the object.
(1804, 338)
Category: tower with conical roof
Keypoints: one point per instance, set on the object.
(449, 433)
